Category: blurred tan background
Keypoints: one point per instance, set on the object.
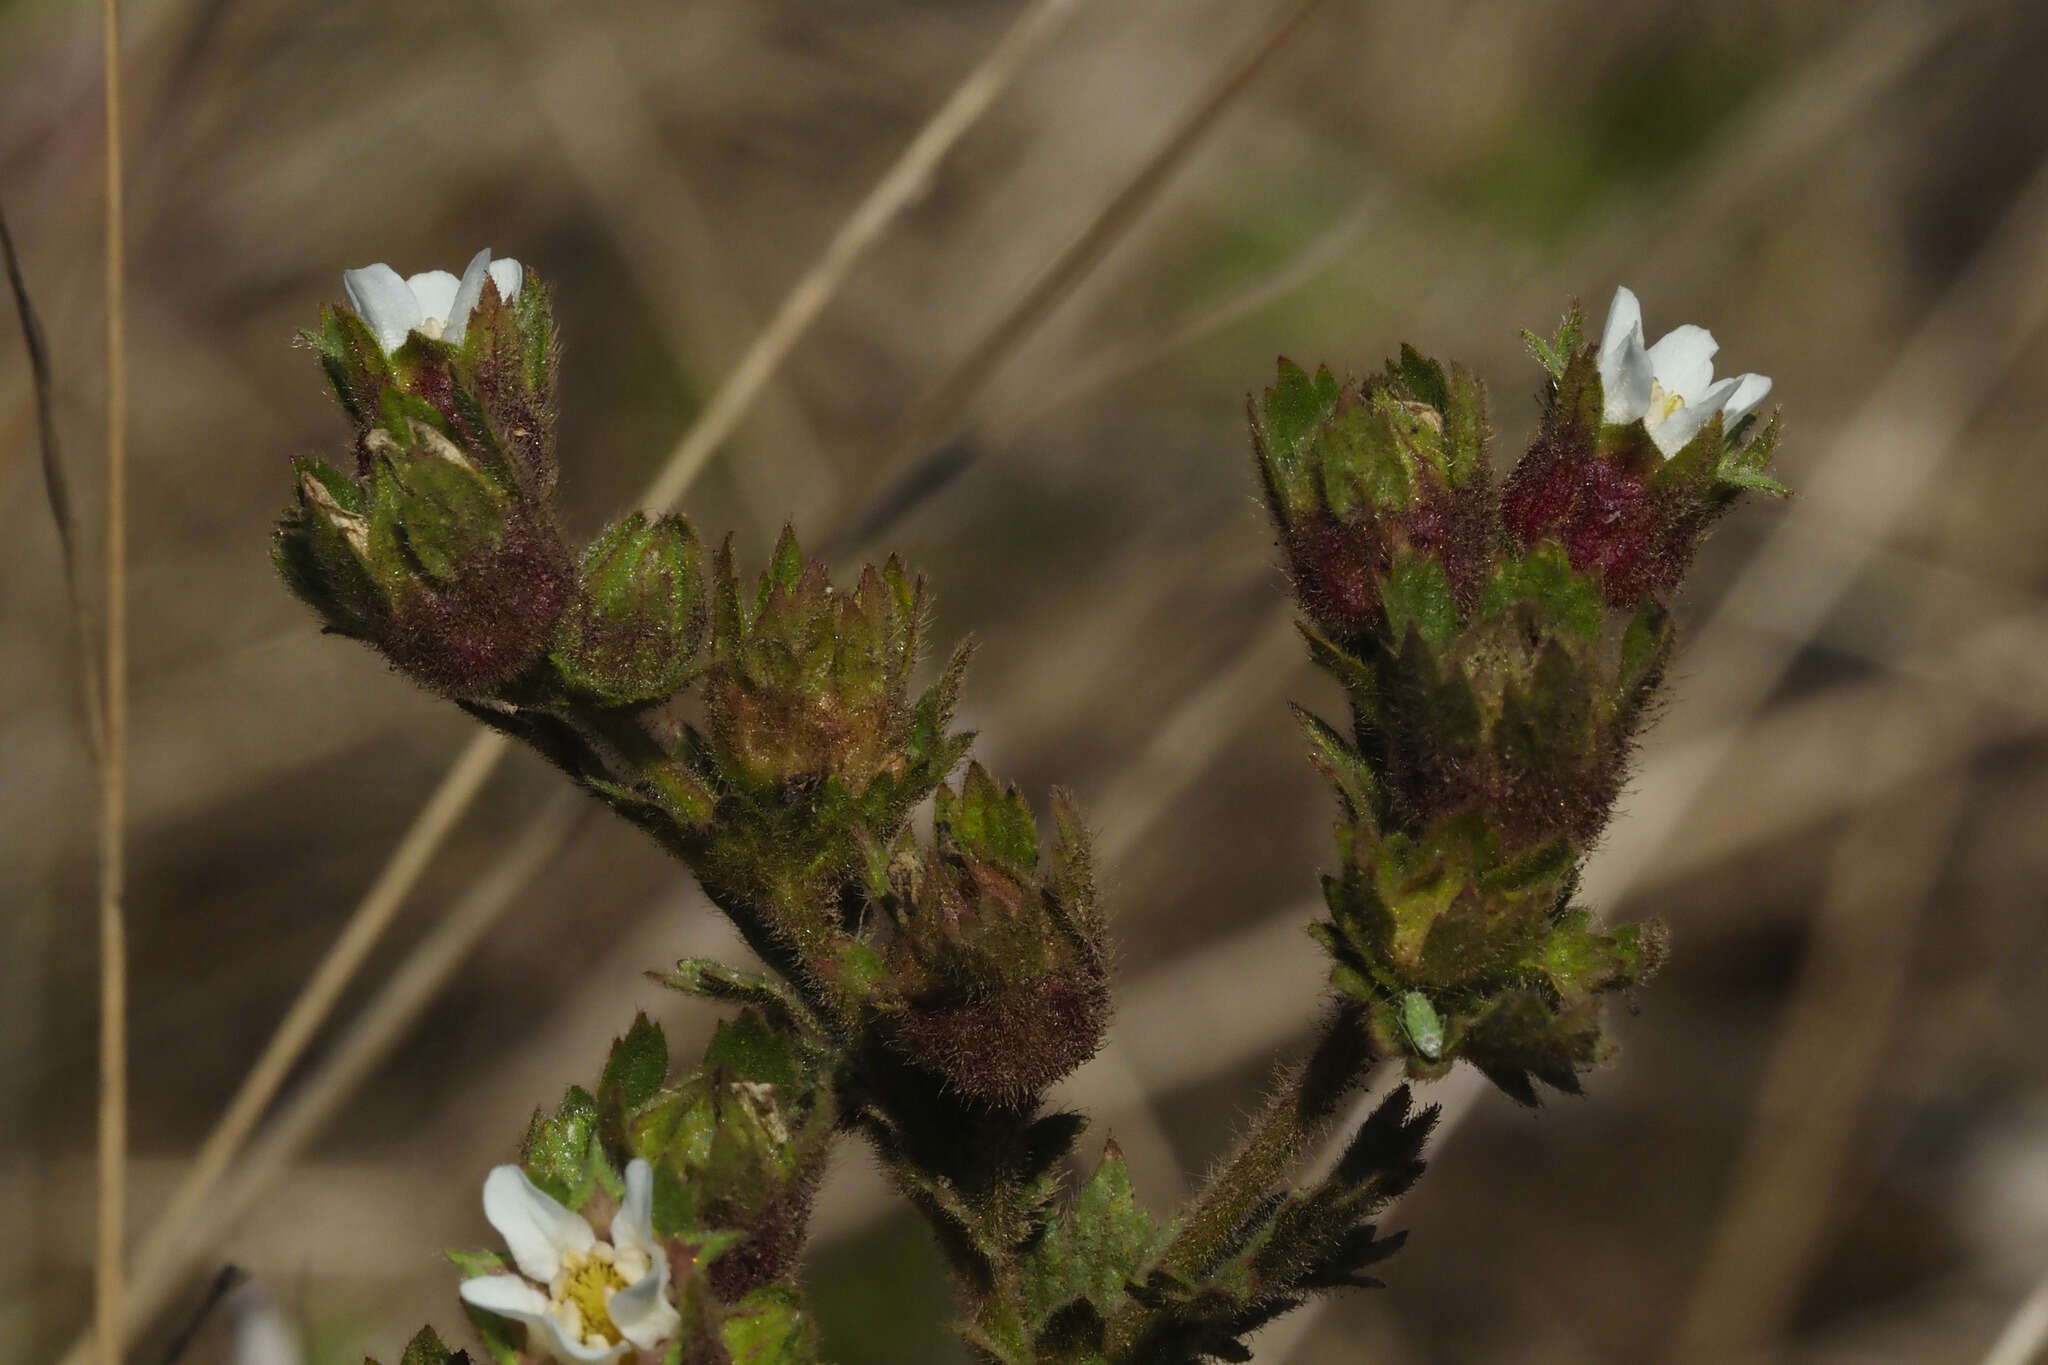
(1826, 1138)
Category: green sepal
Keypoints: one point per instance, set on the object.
(638, 1064)
(1565, 600)
(769, 1327)
(749, 1048)
(1743, 463)
(1554, 354)
(989, 821)
(1285, 420)
(563, 1150)
(433, 514)
(502, 1337)
(426, 1349)
(1417, 594)
(1357, 785)
(322, 549)
(717, 981)
(355, 364)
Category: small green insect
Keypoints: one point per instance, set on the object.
(1424, 1028)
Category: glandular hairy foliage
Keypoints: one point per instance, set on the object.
(1499, 644)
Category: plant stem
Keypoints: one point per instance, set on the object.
(1303, 1102)
(113, 1115)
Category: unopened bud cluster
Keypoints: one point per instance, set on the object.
(1499, 645)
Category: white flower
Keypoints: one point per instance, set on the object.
(1668, 387)
(435, 303)
(583, 1300)
(264, 1333)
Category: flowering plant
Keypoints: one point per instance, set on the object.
(1499, 642)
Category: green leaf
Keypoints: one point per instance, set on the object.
(638, 1063)
(475, 1263)
(1098, 1246)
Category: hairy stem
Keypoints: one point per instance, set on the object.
(1303, 1102)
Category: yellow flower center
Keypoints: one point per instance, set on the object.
(432, 327)
(1663, 403)
(579, 1296)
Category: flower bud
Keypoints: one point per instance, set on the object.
(474, 577)
(1359, 474)
(632, 634)
(738, 1147)
(479, 352)
(1000, 971)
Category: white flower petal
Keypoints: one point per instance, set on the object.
(466, 296)
(1624, 315)
(1750, 390)
(508, 1296)
(508, 275)
(536, 1229)
(1683, 361)
(384, 303)
(553, 1341)
(641, 1311)
(633, 1224)
(435, 289)
(1624, 365)
(264, 1333)
(1681, 426)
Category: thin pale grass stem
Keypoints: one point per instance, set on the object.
(931, 418)
(369, 1040)
(317, 998)
(2026, 1334)
(980, 89)
(901, 184)
(57, 492)
(941, 465)
(113, 1106)
(1824, 1065)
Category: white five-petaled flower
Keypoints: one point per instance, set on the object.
(433, 303)
(1668, 387)
(582, 1299)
